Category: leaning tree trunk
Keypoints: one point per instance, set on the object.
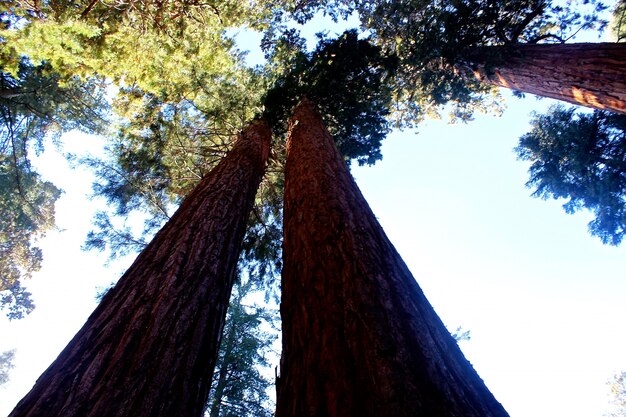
(586, 74)
(359, 337)
(149, 348)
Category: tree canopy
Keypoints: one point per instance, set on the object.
(184, 90)
(581, 157)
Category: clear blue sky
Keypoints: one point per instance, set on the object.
(544, 301)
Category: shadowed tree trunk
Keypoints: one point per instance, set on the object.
(149, 348)
(359, 337)
(586, 74)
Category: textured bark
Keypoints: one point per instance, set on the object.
(359, 337)
(149, 348)
(587, 74)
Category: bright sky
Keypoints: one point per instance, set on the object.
(544, 301)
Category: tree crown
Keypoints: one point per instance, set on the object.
(581, 157)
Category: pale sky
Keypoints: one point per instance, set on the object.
(545, 302)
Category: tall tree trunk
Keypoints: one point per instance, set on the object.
(359, 337)
(586, 74)
(149, 348)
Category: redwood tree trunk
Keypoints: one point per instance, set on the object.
(149, 348)
(587, 74)
(359, 337)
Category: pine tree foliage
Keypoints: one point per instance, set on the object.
(183, 92)
(168, 59)
(240, 382)
(581, 157)
(137, 42)
(33, 106)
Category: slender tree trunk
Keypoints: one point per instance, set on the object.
(586, 74)
(149, 348)
(359, 337)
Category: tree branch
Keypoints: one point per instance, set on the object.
(524, 23)
(546, 36)
(88, 9)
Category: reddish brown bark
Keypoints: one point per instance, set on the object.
(149, 348)
(587, 74)
(359, 337)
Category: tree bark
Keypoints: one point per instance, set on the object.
(586, 74)
(150, 347)
(359, 337)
